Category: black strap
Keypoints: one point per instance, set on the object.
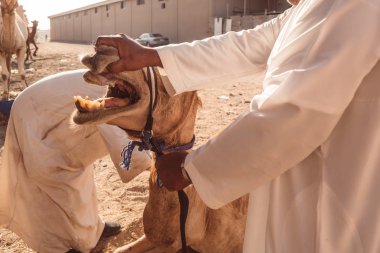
(147, 134)
(149, 121)
(183, 210)
(155, 89)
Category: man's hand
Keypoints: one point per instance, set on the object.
(169, 168)
(133, 56)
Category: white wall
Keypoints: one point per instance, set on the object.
(123, 18)
(141, 18)
(86, 26)
(96, 23)
(108, 18)
(165, 20)
(193, 19)
(180, 20)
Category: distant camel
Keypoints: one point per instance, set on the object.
(13, 35)
(31, 40)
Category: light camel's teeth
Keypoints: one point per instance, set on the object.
(82, 102)
(90, 105)
(78, 98)
(96, 105)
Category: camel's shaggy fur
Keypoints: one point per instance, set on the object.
(207, 230)
(13, 35)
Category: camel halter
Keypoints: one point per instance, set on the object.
(147, 143)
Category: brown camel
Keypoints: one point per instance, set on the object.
(127, 105)
(31, 40)
(13, 35)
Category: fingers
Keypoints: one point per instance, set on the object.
(111, 40)
(107, 40)
(132, 55)
(124, 36)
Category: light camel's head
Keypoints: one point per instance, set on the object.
(8, 6)
(127, 102)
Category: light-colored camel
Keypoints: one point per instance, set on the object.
(207, 230)
(13, 35)
(31, 40)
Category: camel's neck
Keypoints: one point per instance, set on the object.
(180, 131)
(8, 32)
(180, 143)
(34, 31)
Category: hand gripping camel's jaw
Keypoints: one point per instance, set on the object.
(127, 96)
(98, 62)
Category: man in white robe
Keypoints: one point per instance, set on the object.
(308, 150)
(47, 189)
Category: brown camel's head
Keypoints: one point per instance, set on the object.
(127, 102)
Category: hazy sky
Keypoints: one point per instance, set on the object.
(41, 9)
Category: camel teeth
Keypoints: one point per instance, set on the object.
(82, 102)
(89, 105)
(96, 105)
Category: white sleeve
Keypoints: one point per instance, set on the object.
(316, 67)
(220, 60)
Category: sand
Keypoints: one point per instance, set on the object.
(124, 202)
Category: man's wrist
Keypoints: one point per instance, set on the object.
(152, 57)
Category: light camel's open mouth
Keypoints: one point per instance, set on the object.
(120, 93)
(126, 96)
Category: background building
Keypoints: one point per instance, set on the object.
(179, 20)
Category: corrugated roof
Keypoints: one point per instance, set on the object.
(87, 7)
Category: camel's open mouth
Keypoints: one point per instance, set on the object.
(120, 94)
(127, 95)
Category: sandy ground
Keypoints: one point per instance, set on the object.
(118, 201)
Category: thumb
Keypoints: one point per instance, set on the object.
(109, 40)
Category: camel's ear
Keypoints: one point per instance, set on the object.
(101, 59)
